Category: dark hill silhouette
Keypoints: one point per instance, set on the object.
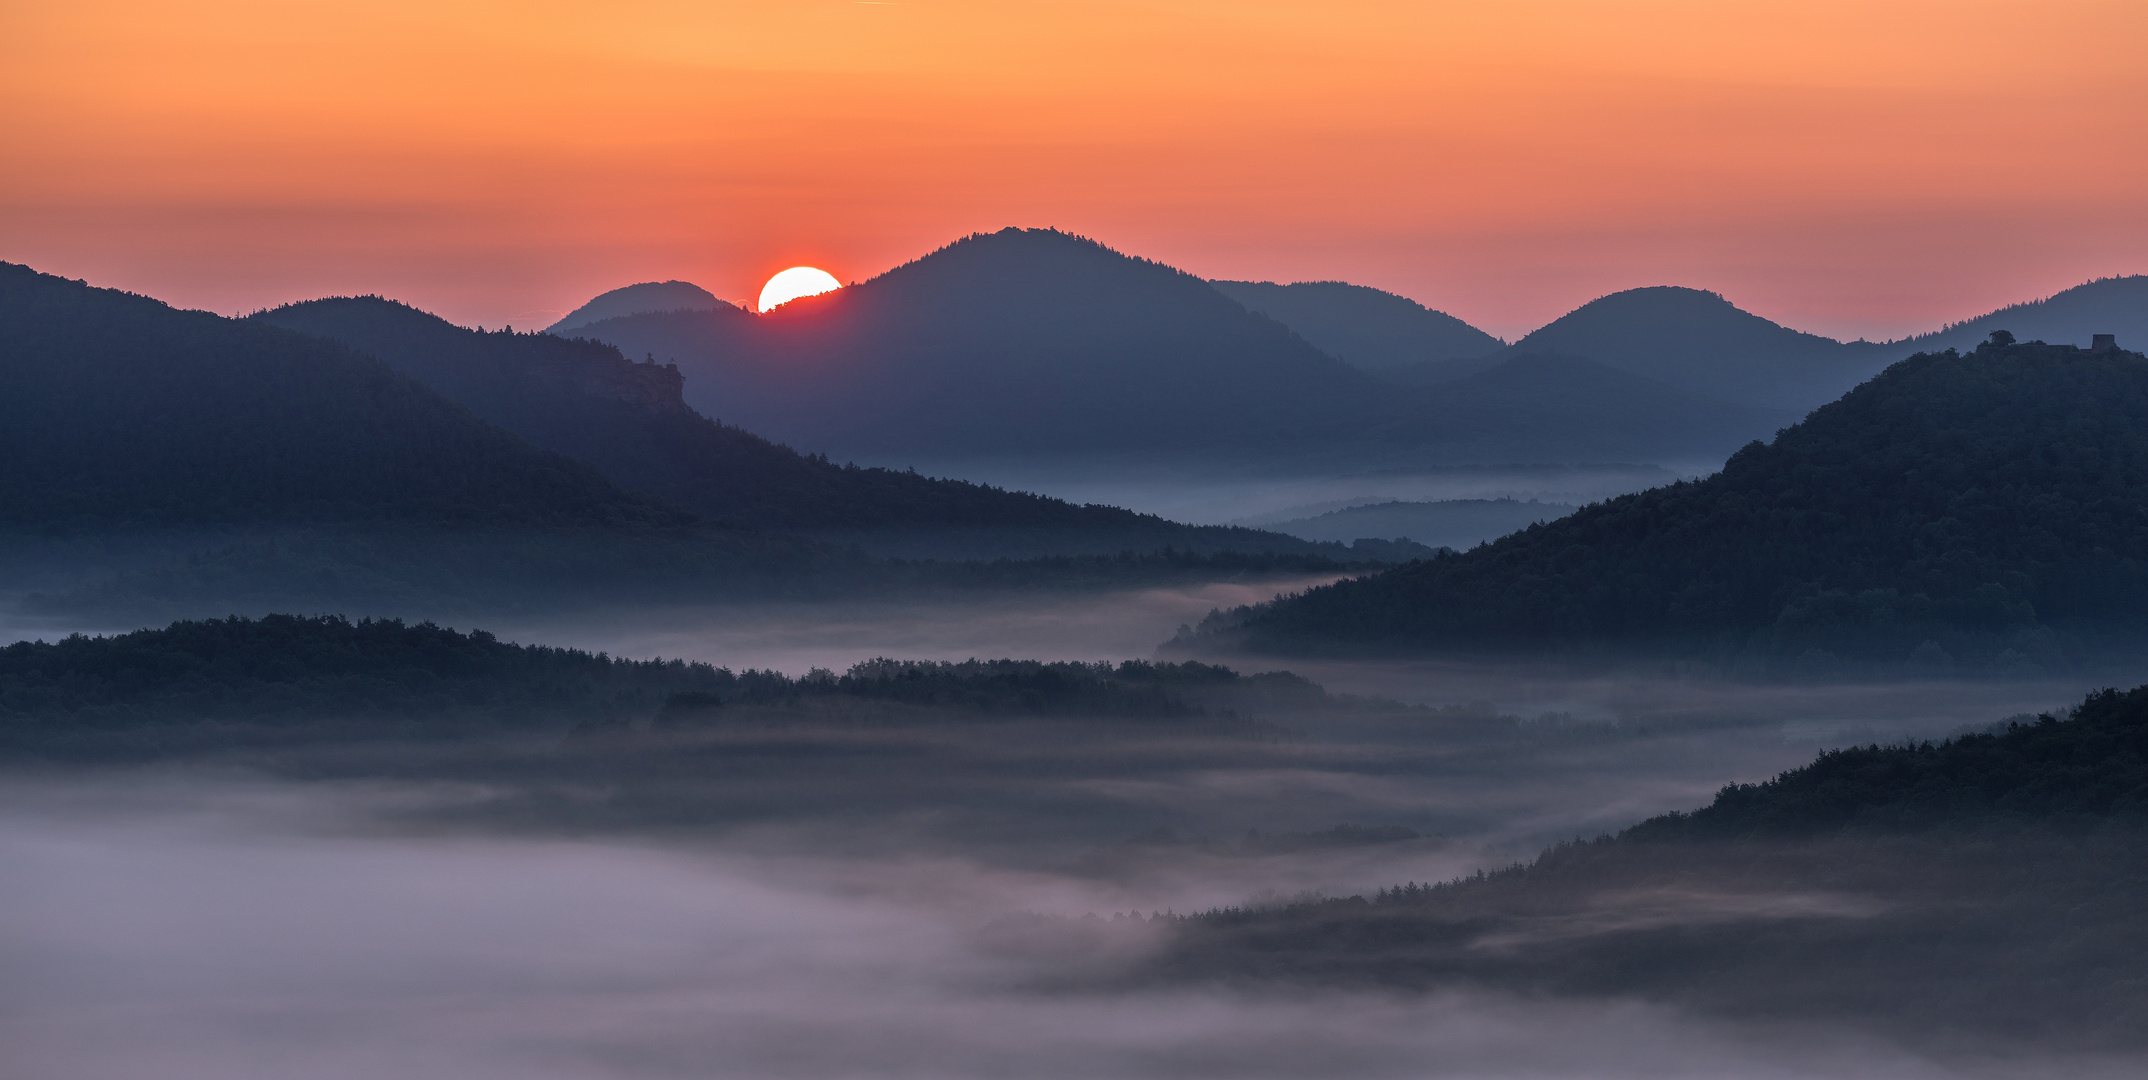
(1987, 508)
(1700, 342)
(1360, 325)
(636, 299)
(1983, 888)
(1036, 342)
(118, 410)
(2117, 306)
(1547, 406)
(1016, 341)
(584, 399)
(1452, 523)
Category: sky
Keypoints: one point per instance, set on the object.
(1865, 168)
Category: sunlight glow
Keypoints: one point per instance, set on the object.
(796, 282)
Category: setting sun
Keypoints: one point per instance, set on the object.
(796, 282)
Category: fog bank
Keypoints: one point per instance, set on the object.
(236, 929)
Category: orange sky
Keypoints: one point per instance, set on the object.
(1848, 167)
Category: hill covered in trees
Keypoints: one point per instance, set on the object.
(636, 299)
(1450, 523)
(120, 411)
(1701, 343)
(1983, 889)
(586, 400)
(201, 685)
(2115, 305)
(1988, 509)
(1017, 341)
(1362, 326)
(1037, 344)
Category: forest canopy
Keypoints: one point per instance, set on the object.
(1987, 509)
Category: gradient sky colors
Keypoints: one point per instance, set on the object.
(1869, 167)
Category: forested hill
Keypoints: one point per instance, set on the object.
(1362, 326)
(1036, 344)
(636, 299)
(2091, 764)
(1958, 508)
(1986, 888)
(1019, 341)
(584, 399)
(1702, 343)
(221, 683)
(2116, 305)
(118, 410)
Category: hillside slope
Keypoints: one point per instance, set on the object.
(584, 399)
(1033, 343)
(2117, 306)
(637, 299)
(1542, 406)
(1700, 342)
(1452, 523)
(1959, 506)
(117, 410)
(1980, 890)
(1017, 341)
(1362, 326)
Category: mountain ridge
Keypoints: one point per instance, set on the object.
(585, 399)
(1974, 507)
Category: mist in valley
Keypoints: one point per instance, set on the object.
(220, 922)
(814, 888)
(1244, 490)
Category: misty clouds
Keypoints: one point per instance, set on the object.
(233, 929)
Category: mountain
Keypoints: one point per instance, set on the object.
(1539, 406)
(629, 420)
(1699, 342)
(1977, 891)
(1360, 325)
(282, 681)
(1019, 341)
(1034, 343)
(2116, 306)
(636, 299)
(1449, 523)
(1988, 508)
(120, 411)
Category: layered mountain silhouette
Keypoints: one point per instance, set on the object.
(636, 299)
(1978, 508)
(1037, 342)
(2116, 306)
(1976, 891)
(118, 410)
(1544, 406)
(229, 465)
(586, 400)
(1018, 341)
(1448, 523)
(1701, 343)
(1363, 326)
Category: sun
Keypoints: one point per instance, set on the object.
(796, 282)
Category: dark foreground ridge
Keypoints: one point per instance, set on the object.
(1986, 887)
(1986, 511)
(231, 682)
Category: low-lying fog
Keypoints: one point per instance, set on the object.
(1233, 493)
(214, 922)
(231, 929)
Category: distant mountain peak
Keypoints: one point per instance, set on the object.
(641, 299)
(1363, 326)
(2110, 305)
